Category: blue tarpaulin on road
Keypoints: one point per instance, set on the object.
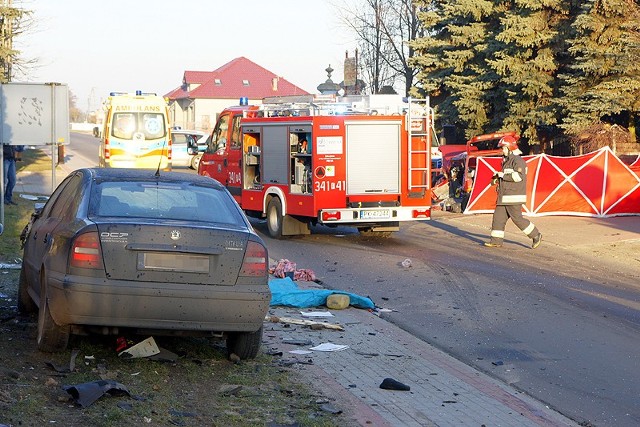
(285, 292)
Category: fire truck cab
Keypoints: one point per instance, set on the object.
(328, 161)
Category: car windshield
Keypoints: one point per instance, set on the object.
(150, 125)
(164, 200)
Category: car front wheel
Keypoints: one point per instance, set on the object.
(52, 338)
(25, 303)
(245, 345)
(195, 161)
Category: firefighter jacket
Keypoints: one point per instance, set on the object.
(512, 185)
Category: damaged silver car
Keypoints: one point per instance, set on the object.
(150, 252)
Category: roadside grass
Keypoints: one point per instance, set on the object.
(16, 217)
(201, 387)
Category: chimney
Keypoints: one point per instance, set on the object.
(274, 84)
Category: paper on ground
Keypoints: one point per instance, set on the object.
(316, 314)
(329, 347)
(144, 348)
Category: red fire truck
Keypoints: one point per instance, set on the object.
(335, 161)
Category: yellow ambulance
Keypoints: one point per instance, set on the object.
(136, 132)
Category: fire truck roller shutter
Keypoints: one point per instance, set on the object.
(275, 154)
(373, 157)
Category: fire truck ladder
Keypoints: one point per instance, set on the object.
(419, 127)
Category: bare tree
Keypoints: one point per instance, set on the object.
(14, 21)
(382, 28)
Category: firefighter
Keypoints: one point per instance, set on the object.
(512, 194)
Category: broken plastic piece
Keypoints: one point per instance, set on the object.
(86, 393)
(144, 348)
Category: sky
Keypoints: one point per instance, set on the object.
(96, 47)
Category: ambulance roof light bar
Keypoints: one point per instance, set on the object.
(137, 93)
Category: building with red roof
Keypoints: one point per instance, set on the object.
(196, 103)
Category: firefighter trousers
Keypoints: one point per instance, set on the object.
(500, 217)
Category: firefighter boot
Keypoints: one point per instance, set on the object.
(493, 244)
(536, 241)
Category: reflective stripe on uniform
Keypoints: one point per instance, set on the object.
(514, 198)
(516, 177)
(499, 234)
(529, 228)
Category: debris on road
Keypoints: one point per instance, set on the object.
(65, 369)
(144, 348)
(391, 384)
(316, 314)
(86, 393)
(303, 322)
(329, 347)
(285, 266)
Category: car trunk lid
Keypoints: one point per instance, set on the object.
(174, 253)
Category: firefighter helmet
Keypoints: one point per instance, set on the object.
(509, 141)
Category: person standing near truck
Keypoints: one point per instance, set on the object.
(11, 153)
(512, 194)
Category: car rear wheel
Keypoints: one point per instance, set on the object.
(25, 303)
(52, 338)
(274, 218)
(245, 345)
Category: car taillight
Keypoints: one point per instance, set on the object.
(169, 150)
(107, 153)
(255, 260)
(85, 251)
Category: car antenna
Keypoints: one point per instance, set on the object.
(164, 143)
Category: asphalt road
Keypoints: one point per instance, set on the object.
(87, 145)
(548, 322)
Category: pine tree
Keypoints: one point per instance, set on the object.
(527, 42)
(453, 61)
(603, 82)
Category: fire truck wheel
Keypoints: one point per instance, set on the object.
(274, 218)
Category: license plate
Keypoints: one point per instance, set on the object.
(380, 214)
(174, 262)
